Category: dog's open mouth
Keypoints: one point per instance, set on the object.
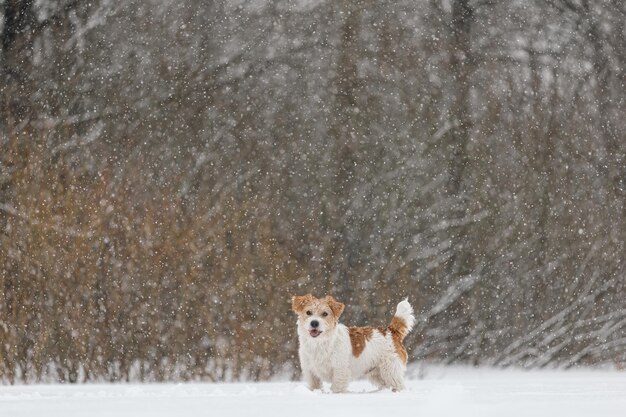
(314, 332)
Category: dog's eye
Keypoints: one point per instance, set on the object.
(308, 313)
(324, 314)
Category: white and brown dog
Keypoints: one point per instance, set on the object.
(332, 352)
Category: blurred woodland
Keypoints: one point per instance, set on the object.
(172, 172)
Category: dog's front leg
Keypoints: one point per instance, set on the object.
(341, 378)
(312, 381)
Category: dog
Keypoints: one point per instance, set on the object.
(332, 352)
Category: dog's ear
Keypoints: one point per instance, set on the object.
(335, 306)
(298, 302)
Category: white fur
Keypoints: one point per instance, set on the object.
(329, 357)
(405, 312)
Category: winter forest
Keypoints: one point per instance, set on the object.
(172, 172)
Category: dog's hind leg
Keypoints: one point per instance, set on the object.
(392, 374)
(374, 377)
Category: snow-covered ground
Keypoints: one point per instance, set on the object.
(443, 392)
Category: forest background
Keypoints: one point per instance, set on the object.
(172, 172)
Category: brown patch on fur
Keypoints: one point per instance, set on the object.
(400, 350)
(335, 306)
(397, 324)
(358, 338)
(299, 302)
(398, 330)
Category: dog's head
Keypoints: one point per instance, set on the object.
(316, 316)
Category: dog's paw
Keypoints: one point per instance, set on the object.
(337, 389)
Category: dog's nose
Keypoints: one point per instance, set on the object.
(315, 323)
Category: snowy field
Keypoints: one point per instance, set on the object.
(442, 392)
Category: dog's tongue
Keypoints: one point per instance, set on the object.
(314, 332)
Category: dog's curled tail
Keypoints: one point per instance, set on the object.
(403, 321)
